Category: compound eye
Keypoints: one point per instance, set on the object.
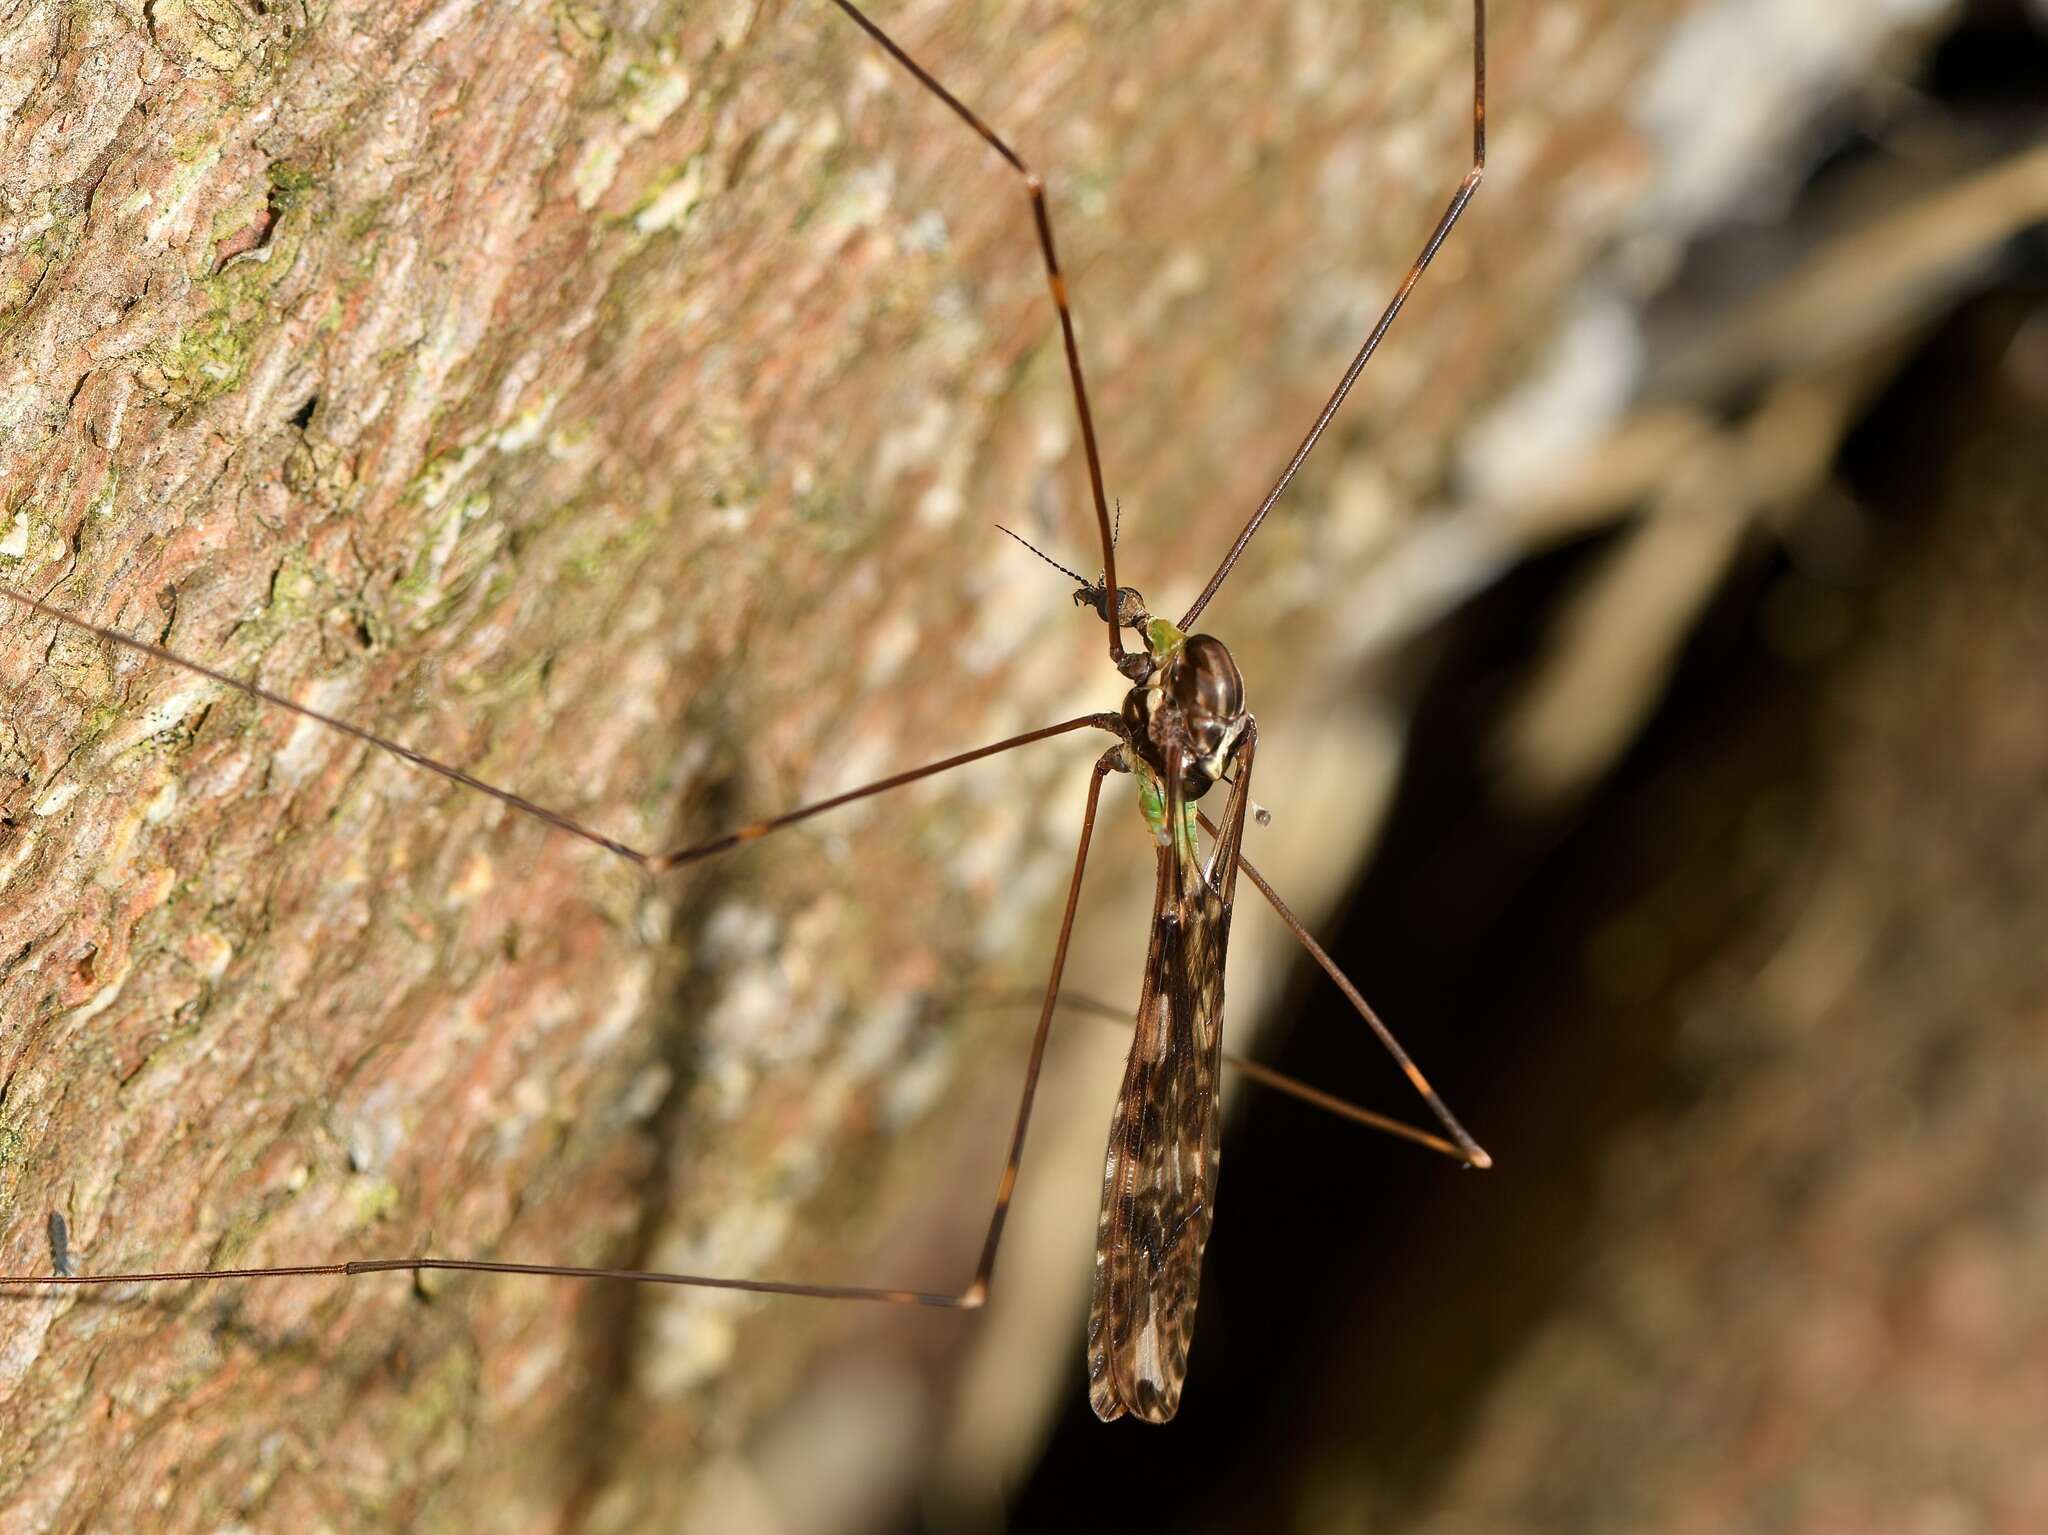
(1206, 682)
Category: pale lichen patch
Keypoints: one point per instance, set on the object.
(653, 95)
(209, 953)
(526, 428)
(857, 203)
(114, 850)
(309, 741)
(476, 878)
(163, 806)
(1032, 883)
(370, 1199)
(893, 642)
(1015, 601)
(13, 854)
(437, 485)
(753, 1001)
(869, 751)
(374, 1133)
(595, 169)
(102, 503)
(529, 1099)
(941, 505)
(916, 444)
(437, 482)
(166, 714)
(824, 134)
(209, 356)
(660, 93)
(55, 799)
(624, 1007)
(1591, 370)
(15, 544)
(877, 1038)
(696, 1332)
(670, 205)
(178, 195)
(102, 999)
(928, 234)
(915, 1086)
(692, 1344)
(739, 930)
(988, 848)
(736, 21)
(647, 1092)
(19, 1356)
(426, 578)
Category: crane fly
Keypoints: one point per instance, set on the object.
(1184, 727)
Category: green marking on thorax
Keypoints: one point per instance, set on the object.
(1162, 639)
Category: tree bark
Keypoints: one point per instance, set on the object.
(614, 400)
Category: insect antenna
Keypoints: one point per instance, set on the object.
(1055, 564)
(1131, 612)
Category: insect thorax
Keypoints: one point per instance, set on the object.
(1192, 699)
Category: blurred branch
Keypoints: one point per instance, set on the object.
(1824, 339)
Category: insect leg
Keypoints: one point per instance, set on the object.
(1042, 218)
(973, 1296)
(656, 863)
(1266, 1076)
(1468, 1150)
(1280, 1082)
(1451, 215)
(1228, 846)
(1109, 762)
(662, 862)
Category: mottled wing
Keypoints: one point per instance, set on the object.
(1159, 1178)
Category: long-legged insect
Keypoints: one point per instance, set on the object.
(1184, 726)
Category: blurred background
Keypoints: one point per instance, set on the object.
(1722, 832)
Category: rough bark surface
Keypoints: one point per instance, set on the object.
(614, 399)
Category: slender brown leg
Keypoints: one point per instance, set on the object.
(974, 1295)
(1278, 1081)
(1041, 217)
(1372, 342)
(1469, 1150)
(654, 863)
(1109, 762)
